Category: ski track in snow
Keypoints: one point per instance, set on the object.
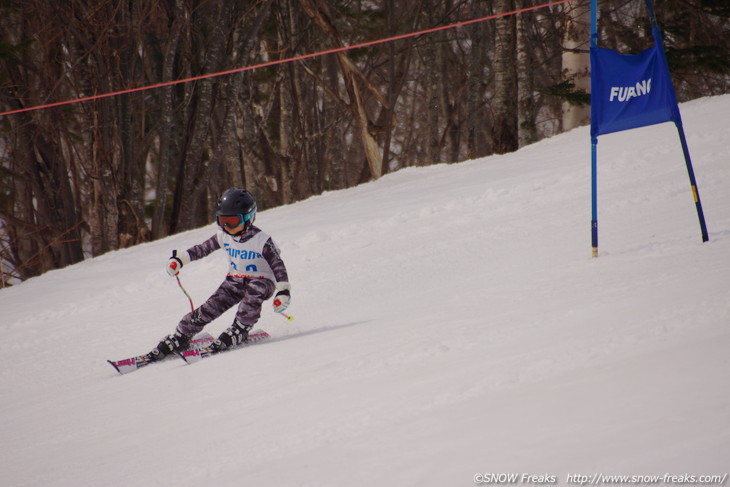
(449, 321)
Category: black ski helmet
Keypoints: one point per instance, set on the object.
(236, 202)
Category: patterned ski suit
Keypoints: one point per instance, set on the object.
(255, 271)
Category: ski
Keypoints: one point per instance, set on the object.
(125, 366)
(191, 356)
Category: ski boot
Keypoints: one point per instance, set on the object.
(235, 335)
(172, 343)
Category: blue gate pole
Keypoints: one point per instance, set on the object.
(677, 117)
(594, 143)
(594, 195)
(692, 182)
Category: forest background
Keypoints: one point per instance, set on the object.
(82, 179)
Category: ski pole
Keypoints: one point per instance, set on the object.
(288, 317)
(192, 308)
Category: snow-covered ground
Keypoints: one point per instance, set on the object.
(449, 322)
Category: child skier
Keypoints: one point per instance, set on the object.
(255, 272)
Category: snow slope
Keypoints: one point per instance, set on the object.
(450, 321)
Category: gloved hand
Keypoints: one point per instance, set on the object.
(281, 301)
(176, 262)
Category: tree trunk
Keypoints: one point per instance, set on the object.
(477, 132)
(166, 121)
(189, 197)
(505, 129)
(527, 67)
(576, 60)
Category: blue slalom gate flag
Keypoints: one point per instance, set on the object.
(630, 91)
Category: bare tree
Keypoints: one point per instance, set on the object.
(319, 12)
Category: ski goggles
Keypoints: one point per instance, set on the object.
(233, 221)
